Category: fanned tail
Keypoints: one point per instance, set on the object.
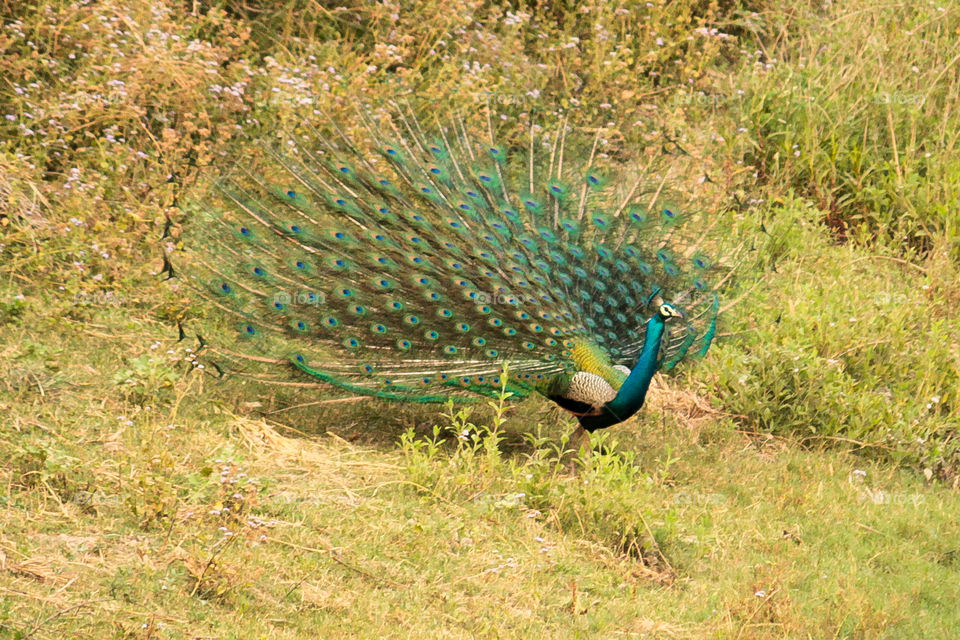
(409, 263)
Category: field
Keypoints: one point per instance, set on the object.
(800, 482)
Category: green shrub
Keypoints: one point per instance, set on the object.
(840, 344)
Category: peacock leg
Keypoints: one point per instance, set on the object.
(579, 448)
(580, 441)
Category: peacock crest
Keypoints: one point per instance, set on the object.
(409, 263)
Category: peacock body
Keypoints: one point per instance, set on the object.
(413, 266)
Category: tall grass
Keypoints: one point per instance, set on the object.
(756, 497)
(857, 107)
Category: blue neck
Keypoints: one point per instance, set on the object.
(633, 391)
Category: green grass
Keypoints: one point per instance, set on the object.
(801, 482)
(115, 516)
(858, 112)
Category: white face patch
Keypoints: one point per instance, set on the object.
(668, 311)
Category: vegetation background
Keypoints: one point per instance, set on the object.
(802, 482)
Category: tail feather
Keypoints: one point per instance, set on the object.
(410, 265)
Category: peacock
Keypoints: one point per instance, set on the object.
(426, 263)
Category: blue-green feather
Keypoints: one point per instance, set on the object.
(416, 270)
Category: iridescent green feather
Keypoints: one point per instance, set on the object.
(411, 266)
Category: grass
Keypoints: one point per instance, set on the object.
(189, 520)
(869, 136)
(801, 482)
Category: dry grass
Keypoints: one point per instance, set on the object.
(139, 499)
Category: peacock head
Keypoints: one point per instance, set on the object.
(667, 311)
